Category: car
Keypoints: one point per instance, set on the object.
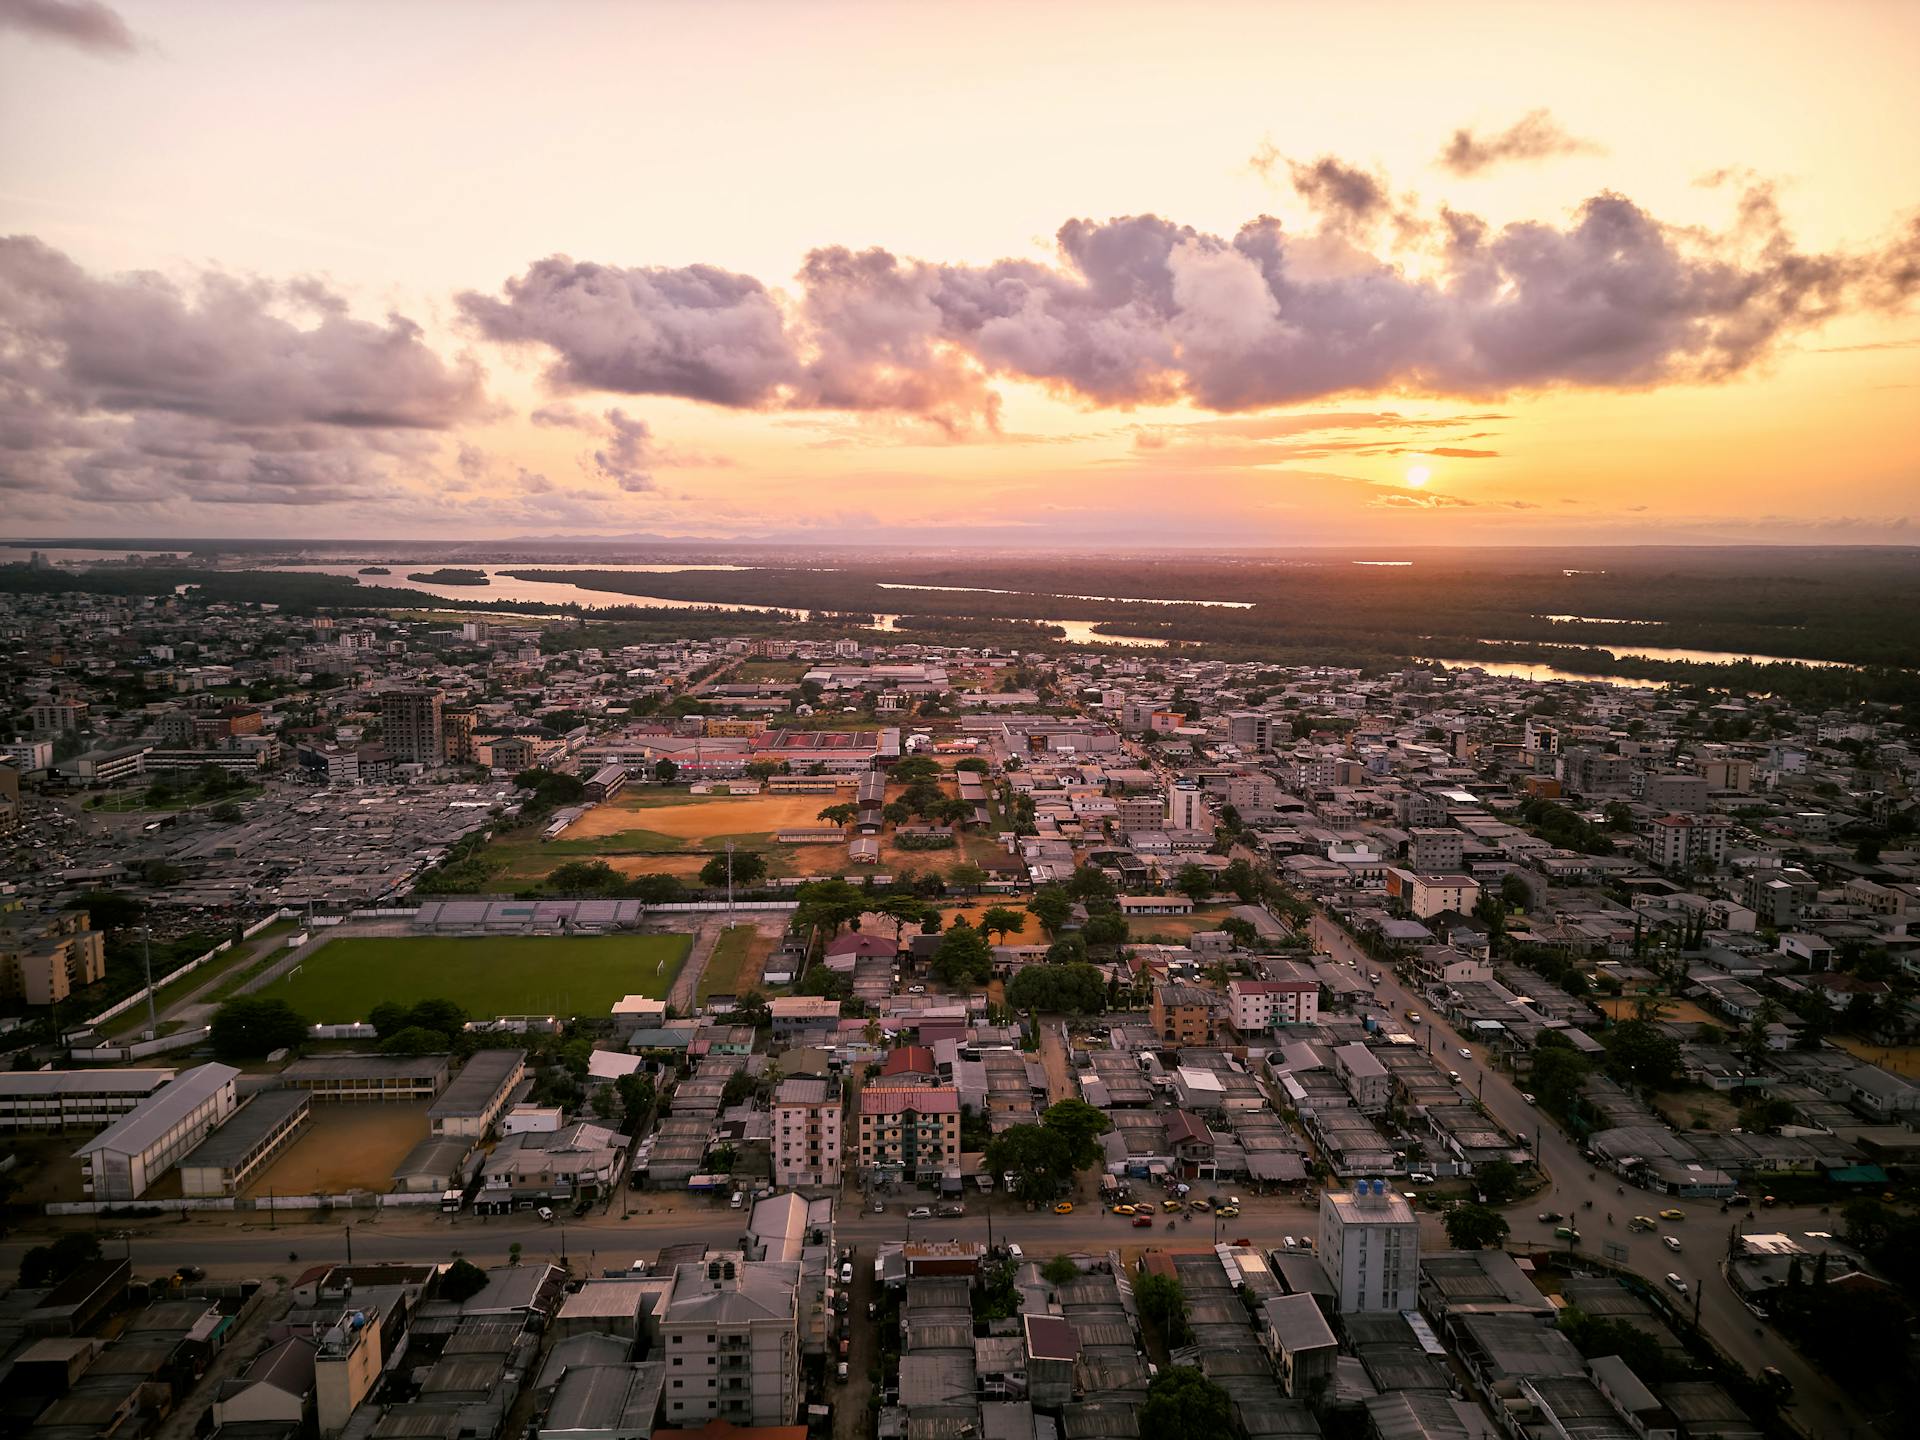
(1640, 1222)
(1142, 1222)
(1774, 1380)
(916, 989)
(1673, 1214)
(1419, 1177)
(1768, 1202)
(952, 1209)
(1524, 1095)
(840, 1372)
(1015, 1253)
(1172, 1207)
(1739, 1197)
(1566, 1232)
(1124, 1209)
(545, 1214)
(1290, 1242)
(920, 1212)
(1453, 1075)
(1065, 1207)
(879, 1207)
(846, 1272)
(1679, 1285)
(1670, 1241)
(1227, 1212)
(1551, 1217)
(1413, 1017)
(1199, 1203)
(1465, 1054)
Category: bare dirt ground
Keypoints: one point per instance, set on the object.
(1684, 1012)
(701, 817)
(349, 1147)
(1897, 1059)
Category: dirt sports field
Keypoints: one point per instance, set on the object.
(348, 1147)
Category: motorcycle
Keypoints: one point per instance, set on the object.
(1169, 1224)
(1587, 1203)
(1609, 1217)
(1619, 1189)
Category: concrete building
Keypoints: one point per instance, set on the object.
(1370, 1246)
(479, 1093)
(1251, 730)
(806, 1133)
(411, 726)
(1259, 1005)
(730, 1338)
(368, 1079)
(914, 1129)
(346, 1368)
(1428, 895)
(1364, 1077)
(73, 1099)
(1183, 1014)
(1187, 807)
(1436, 852)
(121, 1161)
(45, 957)
(10, 812)
(1687, 842)
(1678, 793)
(227, 1160)
(1297, 1337)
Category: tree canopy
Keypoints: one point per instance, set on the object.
(964, 957)
(1475, 1227)
(1183, 1404)
(248, 1028)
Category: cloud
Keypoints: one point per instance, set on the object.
(1421, 500)
(562, 417)
(1141, 310)
(132, 389)
(83, 24)
(628, 459)
(1456, 452)
(1534, 136)
(701, 333)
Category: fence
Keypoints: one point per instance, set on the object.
(709, 907)
(139, 1049)
(139, 996)
(259, 1205)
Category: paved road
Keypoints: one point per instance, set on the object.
(1820, 1407)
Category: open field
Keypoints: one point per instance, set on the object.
(737, 960)
(1895, 1059)
(1697, 1109)
(694, 817)
(127, 801)
(347, 1147)
(510, 975)
(1177, 928)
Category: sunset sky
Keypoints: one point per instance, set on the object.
(1075, 274)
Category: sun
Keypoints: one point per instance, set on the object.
(1418, 475)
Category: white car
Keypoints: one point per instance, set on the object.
(1465, 1054)
(545, 1214)
(920, 1212)
(1670, 1241)
(1676, 1282)
(846, 1272)
(1526, 1097)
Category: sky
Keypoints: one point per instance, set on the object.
(1209, 275)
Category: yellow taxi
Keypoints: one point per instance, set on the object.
(1227, 1212)
(1172, 1207)
(1065, 1207)
(1123, 1210)
(1199, 1204)
(1673, 1214)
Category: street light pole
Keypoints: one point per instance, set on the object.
(349, 1242)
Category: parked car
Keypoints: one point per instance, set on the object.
(1289, 1242)
(545, 1214)
(1419, 1177)
(1142, 1222)
(1065, 1207)
(840, 1372)
(920, 1212)
(846, 1272)
(1676, 1282)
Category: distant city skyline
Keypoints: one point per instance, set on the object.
(1247, 276)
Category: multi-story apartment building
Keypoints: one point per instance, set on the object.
(1676, 793)
(1779, 898)
(411, 725)
(912, 1128)
(1723, 773)
(730, 1340)
(1427, 895)
(1139, 812)
(806, 1133)
(1259, 1005)
(1251, 729)
(1435, 851)
(1187, 808)
(1370, 1247)
(1183, 1014)
(1687, 842)
(56, 717)
(456, 735)
(46, 957)
(1595, 772)
(28, 755)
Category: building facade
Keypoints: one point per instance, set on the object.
(806, 1133)
(46, 957)
(914, 1129)
(411, 725)
(1370, 1247)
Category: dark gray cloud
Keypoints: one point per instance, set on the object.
(131, 389)
(1141, 310)
(84, 24)
(701, 332)
(1536, 135)
(628, 458)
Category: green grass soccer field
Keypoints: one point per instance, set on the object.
(511, 975)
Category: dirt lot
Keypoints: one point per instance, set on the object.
(1682, 1108)
(1683, 1011)
(349, 1147)
(1896, 1059)
(701, 817)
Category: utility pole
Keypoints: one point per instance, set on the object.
(146, 952)
(729, 884)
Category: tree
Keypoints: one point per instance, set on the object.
(1081, 1126)
(1498, 1180)
(827, 905)
(45, 1265)
(749, 868)
(1183, 1404)
(664, 771)
(461, 1281)
(1242, 879)
(1475, 1227)
(1060, 1270)
(1163, 1305)
(1619, 815)
(248, 1028)
(1514, 893)
(226, 812)
(896, 812)
(964, 957)
(1243, 933)
(1066, 989)
(1194, 883)
(1109, 927)
(1594, 1336)
(1069, 949)
(1639, 1054)
(1052, 907)
(414, 1040)
(656, 889)
(1039, 1159)
(842, 814)
(585, 877)
(1090, 882)
(1558, 1073)
(1002, 920)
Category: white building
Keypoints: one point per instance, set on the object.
(124, 1159)
(806, 1133)
(1370, 1246)
(73, 1099)
(1187, 808)
(1259, 1005)
(730, 1339)
(1681, 842)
